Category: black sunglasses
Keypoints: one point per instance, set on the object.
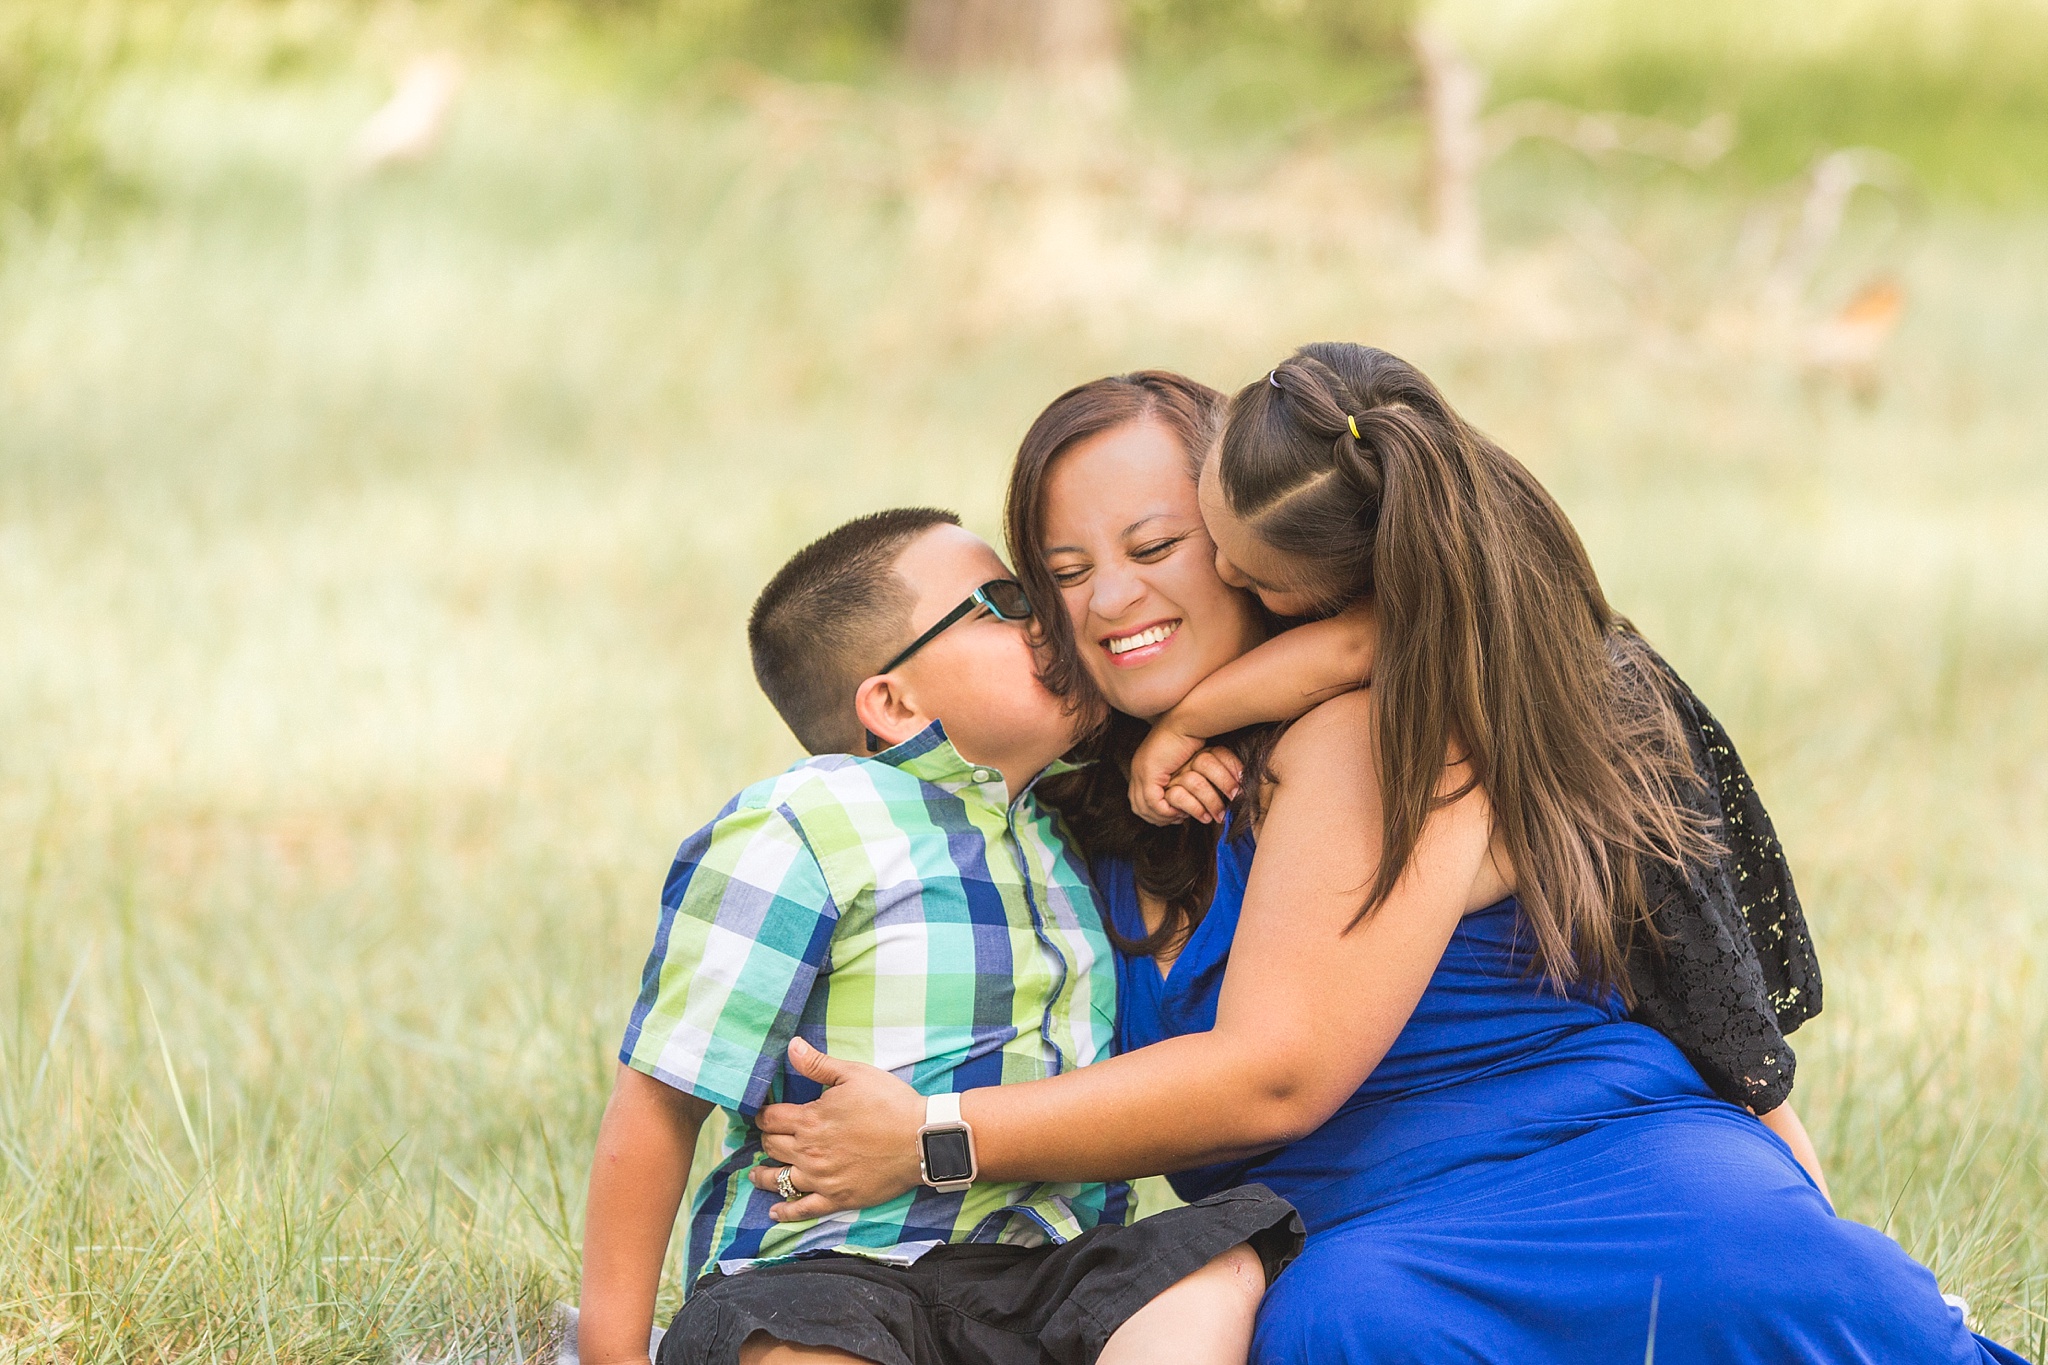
(1004, 599)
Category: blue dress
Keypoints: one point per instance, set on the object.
(1529, 1177)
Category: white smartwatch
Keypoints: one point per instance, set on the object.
(945, 1146)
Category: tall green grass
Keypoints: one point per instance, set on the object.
(374, 553)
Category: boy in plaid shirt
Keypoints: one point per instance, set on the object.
(915, 909)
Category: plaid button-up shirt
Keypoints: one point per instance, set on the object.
(893, 911)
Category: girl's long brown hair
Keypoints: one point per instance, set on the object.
(1175, 864)
(1496, 642)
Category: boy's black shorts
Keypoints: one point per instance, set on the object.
(980, 1304)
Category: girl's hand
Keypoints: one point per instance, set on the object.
(1204, 788)
(853, 1147)
(1173, 778)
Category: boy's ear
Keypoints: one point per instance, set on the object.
(886, 709)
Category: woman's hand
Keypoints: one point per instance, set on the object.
(853, 1147)
(1174, 778)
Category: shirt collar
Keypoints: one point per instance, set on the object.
(930, 757)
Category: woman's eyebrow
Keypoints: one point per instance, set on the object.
(1149, 517)
(1121, 535)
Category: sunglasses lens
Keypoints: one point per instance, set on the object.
(1008, 601)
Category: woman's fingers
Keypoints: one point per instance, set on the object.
(780, 1147)
(778, 1118)
(810, 1206)
(768, 1176)
(856, 1144)
(809, 1203)
(807, 1061)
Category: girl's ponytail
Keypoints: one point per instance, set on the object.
(1496, 643)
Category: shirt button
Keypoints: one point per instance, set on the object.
(984, 775)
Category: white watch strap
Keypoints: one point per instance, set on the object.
(942, 1109)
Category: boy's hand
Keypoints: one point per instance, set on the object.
(852, 1148)
(1174, 778)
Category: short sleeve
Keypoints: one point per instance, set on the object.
(1731, 969)
(746, 926)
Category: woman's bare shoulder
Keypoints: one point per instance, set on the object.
(1339, 735)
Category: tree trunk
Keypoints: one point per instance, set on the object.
(1050, 36)
(1453, 91)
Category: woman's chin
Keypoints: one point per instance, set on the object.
(1148, 699)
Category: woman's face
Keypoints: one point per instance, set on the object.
(1245, 561)
(1137, 571)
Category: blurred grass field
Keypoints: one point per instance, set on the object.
(374, 551)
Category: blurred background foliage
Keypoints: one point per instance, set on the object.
(1953, 89)
(54, 71)
(400, 404)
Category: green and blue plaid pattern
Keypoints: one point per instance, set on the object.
(892, 911)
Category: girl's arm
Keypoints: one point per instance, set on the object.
(1307, 1010)
(1784, 1121)
(1283, 678)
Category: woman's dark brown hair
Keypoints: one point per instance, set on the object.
(1496, 641)
(1177, 863)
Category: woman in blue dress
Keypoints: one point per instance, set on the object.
(1408, 1013)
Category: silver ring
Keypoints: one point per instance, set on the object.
(786, 1187)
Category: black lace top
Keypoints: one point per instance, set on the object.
(1736, 971)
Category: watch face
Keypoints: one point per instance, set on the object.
(946, 1156)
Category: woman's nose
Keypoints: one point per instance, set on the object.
(1116, 592)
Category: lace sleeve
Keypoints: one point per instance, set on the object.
(1736, 969)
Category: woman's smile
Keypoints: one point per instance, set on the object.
(1141, 646)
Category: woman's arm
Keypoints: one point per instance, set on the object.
(1307, 1009)
(1281, 679)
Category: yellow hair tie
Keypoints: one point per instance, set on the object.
(1352, 422)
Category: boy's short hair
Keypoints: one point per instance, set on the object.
(829, 618)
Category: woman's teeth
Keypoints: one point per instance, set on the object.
(1124, 644)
